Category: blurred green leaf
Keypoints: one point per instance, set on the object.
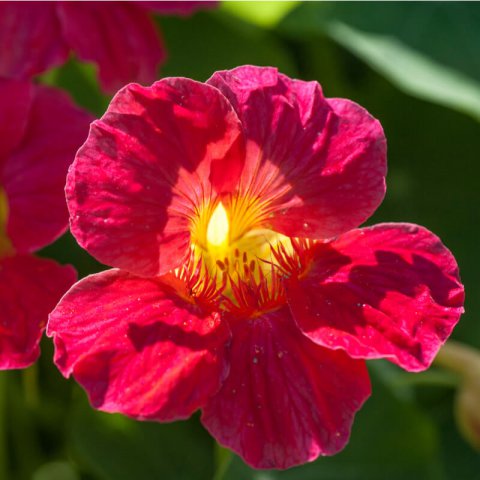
(429, 50)
(210, 41)
(117, 448)
(56, 471)
(265, 14)
(391, 439)
(80, 80)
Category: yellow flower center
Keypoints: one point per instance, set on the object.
(217, 228)
(234, 254)
(5, 245)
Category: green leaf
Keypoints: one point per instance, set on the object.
(198, 46)
(264, 14)
(428, 50)
(55, 471)
(80, 80)
(117, 448)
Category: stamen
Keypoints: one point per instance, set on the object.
(202, 286)
(237, 261)
(295, 260)
(253, 296)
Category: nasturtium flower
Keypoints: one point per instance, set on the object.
(119, 37)
(40, 131)
(243, 286)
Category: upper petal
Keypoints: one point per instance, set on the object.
(319, 164)
(119, 37)
(391, 291)
(137, 347)
(29, 289)
(146, 170)
(33, 174)
(286, 400)
(31, 38)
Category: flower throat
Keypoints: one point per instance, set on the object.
(236, 261)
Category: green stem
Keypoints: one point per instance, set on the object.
(3, 427)
(30, 386)
(432, 378)
(223, 458)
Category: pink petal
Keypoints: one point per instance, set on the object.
(320, 164)
(33, 175)
(31, 39)
(389, 291)
(144, 171)
(178, 7)
(29, 289)
(119, 37)
(137, 347)
(16, 100)
(286, 400)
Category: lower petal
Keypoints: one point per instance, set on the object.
(389, 291)
(137, 347)
(286, 400)
(29, 289)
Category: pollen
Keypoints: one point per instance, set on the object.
(218, 227)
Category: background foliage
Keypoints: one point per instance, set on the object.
(416, 67)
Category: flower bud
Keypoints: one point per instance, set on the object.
(465, 361)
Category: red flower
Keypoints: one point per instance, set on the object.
(41, 131)
(243, 290)
(119, 37)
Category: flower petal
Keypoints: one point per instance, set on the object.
(29, 289)
(286, 400)
(33, 176)
(119, 37)
(137, 347)
(389, 291)
(144, 172)
(31, 38)
(319, 164)
(16, 100)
